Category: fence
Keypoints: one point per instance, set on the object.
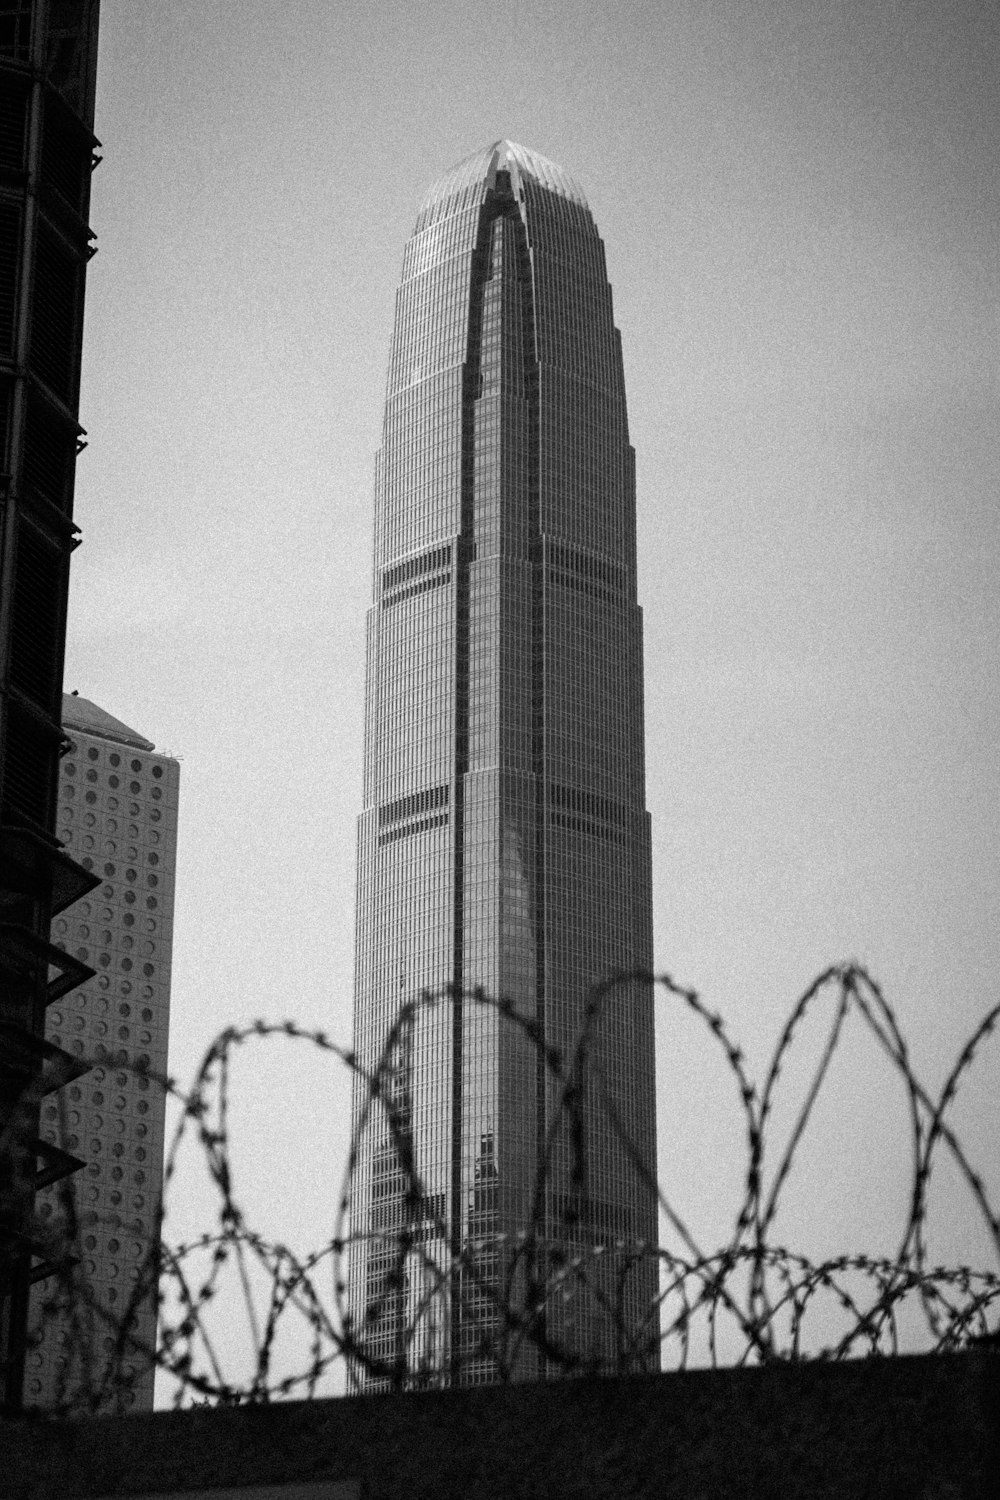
(762, 1291)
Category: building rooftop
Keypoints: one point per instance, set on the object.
(79, 713)
(519, 161)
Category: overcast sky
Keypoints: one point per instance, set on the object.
(799, 204)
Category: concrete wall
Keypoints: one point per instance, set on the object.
(923, 1428)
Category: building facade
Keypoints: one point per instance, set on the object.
(504, 846)
(48, 62)
(118, 818)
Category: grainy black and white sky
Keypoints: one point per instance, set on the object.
(799, 201)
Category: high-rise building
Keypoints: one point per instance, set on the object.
(48, 60)
(118, 817)
(504, 842)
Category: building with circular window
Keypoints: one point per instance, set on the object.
(112, 1119)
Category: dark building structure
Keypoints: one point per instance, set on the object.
(504, 843)
(48, 57)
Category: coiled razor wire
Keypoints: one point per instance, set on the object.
(759, 1291)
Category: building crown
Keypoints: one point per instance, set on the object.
(480, 170)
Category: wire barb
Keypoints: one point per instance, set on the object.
(505, 1285)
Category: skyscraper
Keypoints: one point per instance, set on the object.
(117, 814)
(504, 842)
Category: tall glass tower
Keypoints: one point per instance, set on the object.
(504, 844)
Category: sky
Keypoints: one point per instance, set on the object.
(799, 205)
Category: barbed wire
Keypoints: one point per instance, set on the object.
(750, 1295)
